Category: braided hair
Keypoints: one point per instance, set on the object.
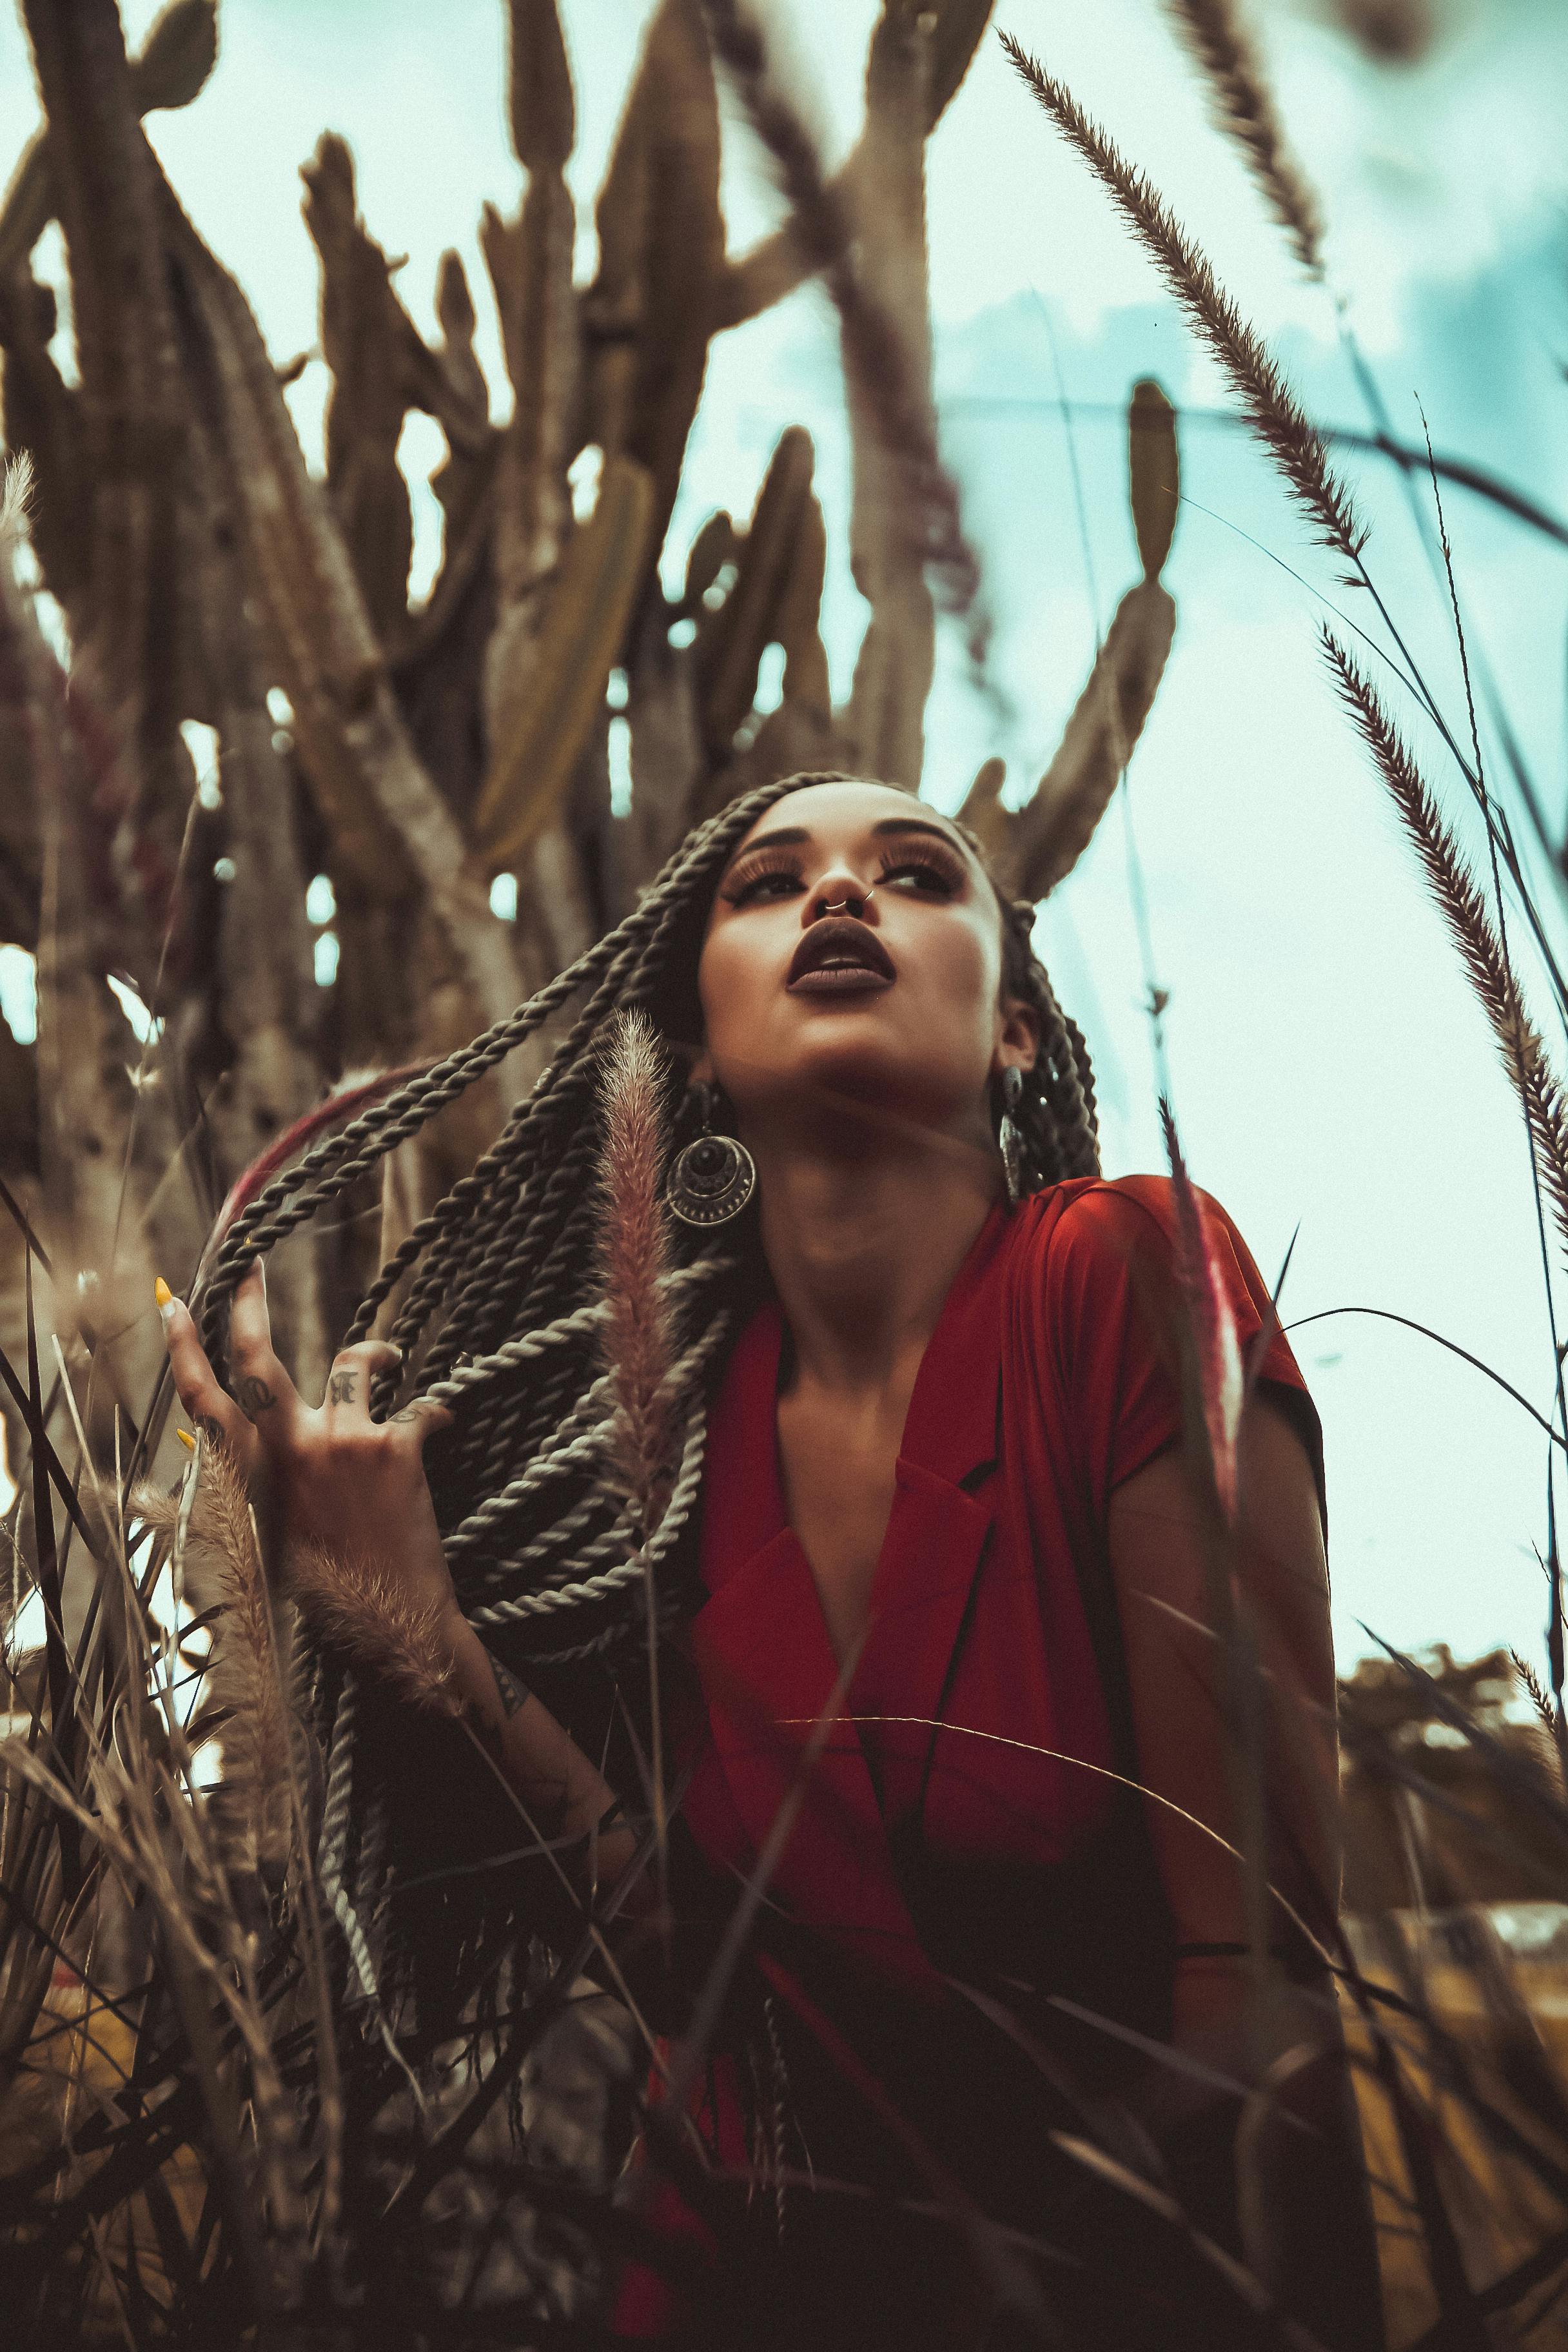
(500, 1315)
(1056, 1114)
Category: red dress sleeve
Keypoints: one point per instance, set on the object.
(1110, 1315)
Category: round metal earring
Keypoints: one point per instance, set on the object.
(1010, 1135)
(713, 1180)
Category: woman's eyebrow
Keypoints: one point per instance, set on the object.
(915, 824)
(784, 833)
(791, 835)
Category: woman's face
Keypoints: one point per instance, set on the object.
(853, 956)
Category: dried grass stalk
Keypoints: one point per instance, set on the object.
(1269, 405)
(639, 1336)
(354, 1605)
(245, 1674)
(1212, 1317)
(1534, 1690)
(1464, 910)
(156, 1836)
(15, 497)
(1244, 105)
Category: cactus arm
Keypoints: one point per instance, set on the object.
(649, 316)
(1054, 828)
(105, 185)
(40, 412)
(782, 261)
(585, 620)
(530, 262)
(730, 642)
(885, 720)
(1037, 846)
(1155, 473)
(179, 53)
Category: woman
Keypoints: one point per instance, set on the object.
(962, 1586)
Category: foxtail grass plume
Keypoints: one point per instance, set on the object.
(1470, 926)
(16, 499)
(246, 1675)
(1535, 1691)
(1243, 104)
(1270, 406)
(638, 1336)
(1212, 1318)
(353, 1604)
(247, 1671)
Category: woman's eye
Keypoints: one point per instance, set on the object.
(747, 891)
(923, 875)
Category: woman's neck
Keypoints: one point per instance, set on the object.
(863, 1245)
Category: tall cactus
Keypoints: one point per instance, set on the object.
(427, 747)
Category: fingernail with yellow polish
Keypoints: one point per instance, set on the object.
(165, 1298)
(186, 1439)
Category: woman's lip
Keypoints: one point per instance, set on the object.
(838, 943)
(839, 980)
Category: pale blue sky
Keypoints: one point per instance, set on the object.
(1332, 1072)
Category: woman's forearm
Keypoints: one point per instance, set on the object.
(563, 1794)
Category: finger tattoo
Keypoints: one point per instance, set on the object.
(253, 1396)
(340, 1388)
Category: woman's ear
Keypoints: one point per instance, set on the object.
(692, 1062)
(1019, 1036)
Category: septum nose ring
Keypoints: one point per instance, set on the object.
(841, 905)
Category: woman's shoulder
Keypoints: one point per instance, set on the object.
(1099, 1290)
(1091, 1212)
(1101, 1252)
(1102, 1221)
(1077, 1248)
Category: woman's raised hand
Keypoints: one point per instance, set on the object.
(355, 1485)
(341, 1480)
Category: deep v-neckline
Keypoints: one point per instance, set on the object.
(855, 1647)
(785, 1734)
(930, 1422)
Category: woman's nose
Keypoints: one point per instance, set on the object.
(841, 894)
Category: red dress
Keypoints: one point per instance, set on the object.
(961, 1821)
